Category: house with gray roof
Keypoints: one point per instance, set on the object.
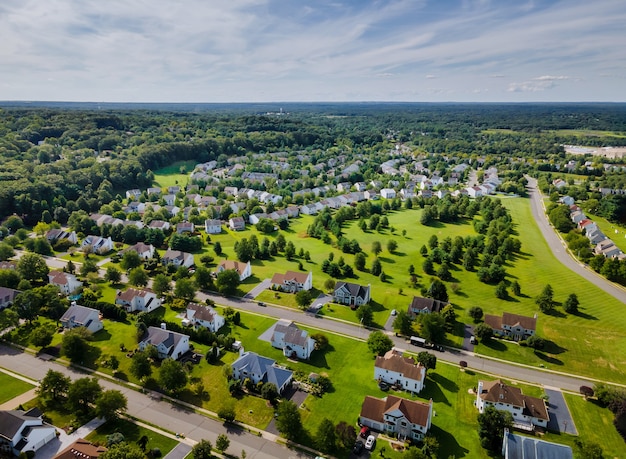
(351, 294)
(420, 305)
(7, 296)
(22, 431)
(261, 369)
(168, 343)
(82, 316)
(293, 341)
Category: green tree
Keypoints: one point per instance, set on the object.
(203, 278)
(130, 260)
(140, 365)
(432, 327)
(329, 285)
(32, 266)
(138, 277)
(27, 305)
(427, 360)
(217, 248)
(161, 284)
(483, 331)
(392, 245)
(227, 281)
(437, 290)
(379, 343)
(321, 341)
(222, 443)
(227, 413)
(41, 336)
(376, 248)
(571, 304)
(6, 251)
(172, 375)
(202, 450)
(376, 268)
(123, 450)
(326, 437)
(403, 324)
(269, 391)
(184, 289)
(491, 425)
(501, 291)
(413, 452)
(545, 300)
(113, 275)
(346, 434)
(83, 393)
(588, 450)
(110, 404)
(74, 343)
(303, 299)
(54, 385)
(365, 315)
(515, 288)
(288, 420)
(359, 261)
(476, 313)
(290, 250)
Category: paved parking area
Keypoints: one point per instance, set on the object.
(256, 291)
(180, 451)
(560, 417)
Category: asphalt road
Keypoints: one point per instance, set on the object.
(559, 249)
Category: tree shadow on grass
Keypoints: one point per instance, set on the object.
(449, 446)
(552, 348)
(318, 358)
(435, 392)
(102, 335)
(584, 315)
(446, 383)
(547, 358)
(494, 344)
(387, 260)
(556, 313)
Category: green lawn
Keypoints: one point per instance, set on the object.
(171, 176)
(609, 229)
(12, 387)
(132, 432)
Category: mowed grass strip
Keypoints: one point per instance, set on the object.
(12, 387)
(171, 176)
(132, 432)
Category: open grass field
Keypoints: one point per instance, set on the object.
(12, 387)
(170, 175)
(132, 432)
(588, 133)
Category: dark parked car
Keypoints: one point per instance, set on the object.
(383, 386)
(358, 448)
(261, 303)
(364, 431)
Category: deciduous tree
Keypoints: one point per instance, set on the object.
(379, 343)
(172, 375)
(110, 404)
(288, 420)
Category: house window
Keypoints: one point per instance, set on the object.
(403, 424)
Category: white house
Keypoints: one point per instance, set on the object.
(66, 282)
(243, 269)
(98, 244)
(293, 281)
(203, 316)
(527, 411)
(474, 191)
(81, 316)
(133, 194)
(261, 369)
(178, 258)
(170, 199)
(407, 419)
(168, 343)
(421, 305)
(388, 193)
(160, 225)
(138, 300)
(394, 368)
(24, 431)
(7, 296)
(145, 251)
(237, 224)
(55, 235)
(351, 294)
(293, 341)
(185, 227)
(212, 226)
(512, 325)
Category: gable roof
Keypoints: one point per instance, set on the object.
(393, 360)
(82, 449)
(415, 412)
(259, 365)
(130, 293)
(529, 323)
(290, 276)
(168, 338)
(79, 314)
(355, 290)
(11, 421)
(498, 392)
(238, 266)
(58, 277)
(205, 313)
(419, 303)
(293, 335)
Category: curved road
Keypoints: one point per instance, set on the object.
(559, 249)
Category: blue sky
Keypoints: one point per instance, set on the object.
(293, 50)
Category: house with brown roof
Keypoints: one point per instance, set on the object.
(145, 251)
(168, 343)
(81, 449)
(203, 316)
(395, 368)
(408, 419)
(512, 325)
(528, 412)
(293, 341)
(67, 283)
(237, 224)
(243, 269)
(140, 300)
(293, 281)
(420, 305)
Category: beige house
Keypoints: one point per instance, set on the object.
(408, 419)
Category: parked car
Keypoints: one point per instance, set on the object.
(383, 386)
(393, 312)
(358, 448)
(369, 443)
(473, 340)
(364, 431)
(261, 303)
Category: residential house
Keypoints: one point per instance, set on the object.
(512, 325)
(406, 419)
(360, 186)
(66, 282)
(174, 189)
(23, 431)
(133, 194)
(577, 216)
(559, 183)
(55, 235)
(172, 210)
(160, 225)
(595, 236)
(169, 199)
(203, 316)
(567, 200)
(371, 195)
(388, 193)
(395, 368)
(420, 305)
(293, 341)
(185, 227)
(587, 225)
(153, 191)
(256, 218)
(528, 412)
(178, 258)
(168, 343)
(138, 300)
(82, 316)
(261, 369)
(292, 211)
(607, 248)
(237, 224)
(81, 449)
(212, 226)
(145, 251)
(351, 294)
(309, 209)
(293, 281)
(7, 265)
(98, 244)
(7, 296)
(474, 191)
(523, 447)
(243, 269)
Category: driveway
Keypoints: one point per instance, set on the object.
(467, 334)
(321, 299)
(256, 291)
(180, 451)
(560, 417)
